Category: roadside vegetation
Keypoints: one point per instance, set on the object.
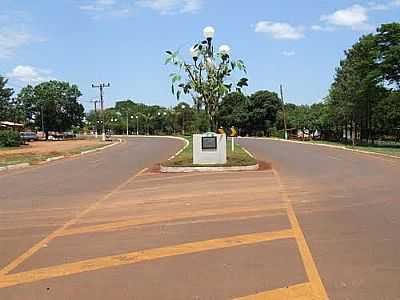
(237, 158)
(381, 148)
(25, 154)
(361, 108)
(9, 138)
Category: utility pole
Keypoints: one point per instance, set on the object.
(42, 116)
(95, 116)
(284, 112)
(101, 86)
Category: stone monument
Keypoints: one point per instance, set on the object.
(209, 149)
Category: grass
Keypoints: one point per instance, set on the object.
(237, 158)
(34, 158)
(389, 149)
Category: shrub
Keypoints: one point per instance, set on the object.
(9, 138)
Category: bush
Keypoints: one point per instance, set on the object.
(10, 138)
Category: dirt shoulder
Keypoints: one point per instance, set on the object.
(41, 150)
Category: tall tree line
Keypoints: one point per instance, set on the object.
(364, 99)
(48, 106)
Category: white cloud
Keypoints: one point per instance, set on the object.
(396, 3)
(29, 74)
(11, 40)
(281, 31)
(322, 28)
(355, 17)
(288, 53)
(378, 6)
(99, 8)
(172, 6)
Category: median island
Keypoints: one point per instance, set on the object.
(235, 159)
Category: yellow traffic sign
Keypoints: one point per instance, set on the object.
(233, 132)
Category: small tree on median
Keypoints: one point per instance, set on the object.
(206, 79)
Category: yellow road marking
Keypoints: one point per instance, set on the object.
(295, 292)
(308, 261)
(139, 256)
(16, 262)
(120, 225)
(311, 269)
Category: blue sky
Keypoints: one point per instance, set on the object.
(296, 43)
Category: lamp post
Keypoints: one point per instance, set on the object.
(127, 123)
(114, 120)
(159, 114)
(183, 119)
(137, 125)
(208, 33)
(195, 51)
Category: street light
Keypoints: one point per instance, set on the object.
(183, 119)
(224, 50)
(137, 125)
(209, 32)
(159, 115)
(127, 123)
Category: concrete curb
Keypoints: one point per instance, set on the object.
(55, 158)
(165, 137)
(50, 159)
(164, 169)
(327, 146)
(248, 152)
(180, 151)
(16, 167)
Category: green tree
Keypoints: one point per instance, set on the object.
(234, 111)
(5, 98)
(387, 114)
(54, 102)
(207, 78)
(388, 39)
(357, 89)
(263, 110)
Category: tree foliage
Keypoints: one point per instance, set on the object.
(362, 86)
(207, 79)
(5, 99)
(55, 102)
(388, 40)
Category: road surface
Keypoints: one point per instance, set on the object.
(348, 206)
(323, 224)
(36, 201)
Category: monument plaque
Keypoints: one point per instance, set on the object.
(209, 143)
(209, 149)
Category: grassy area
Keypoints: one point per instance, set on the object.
(237, 158)
(34, 158)
(390, 149)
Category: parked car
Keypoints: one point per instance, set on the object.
(55, 136)
(28, 136)
(69, 135)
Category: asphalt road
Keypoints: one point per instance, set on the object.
(36, 201)
(348, 206)
(323, 224)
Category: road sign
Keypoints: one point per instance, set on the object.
(233, 132)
